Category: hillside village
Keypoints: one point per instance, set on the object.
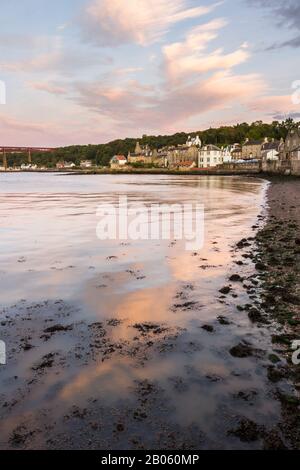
(266, 154)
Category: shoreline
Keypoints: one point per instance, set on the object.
(277, 260)
(251, 173)
(139, 172)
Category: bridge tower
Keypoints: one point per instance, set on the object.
(4, 160)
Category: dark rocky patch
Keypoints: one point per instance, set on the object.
(248, 431)
(225, 290)
(255, 315)
(58, 328)
(243, 350)
(259, 266)
(46, 362)
(208, 328)
(223, 320)
(273, 441)
(244, 243)
(236, 278)
(146, 328)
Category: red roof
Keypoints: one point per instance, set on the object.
(120, 157)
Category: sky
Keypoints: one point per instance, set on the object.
(91, 71)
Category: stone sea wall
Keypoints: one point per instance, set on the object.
(282, 168)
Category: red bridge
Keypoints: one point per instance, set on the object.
(28, 150)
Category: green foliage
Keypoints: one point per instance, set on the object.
(102, 153)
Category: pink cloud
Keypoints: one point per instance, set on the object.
(84, 129)
(275, 104)
(115, 22)
(58, 61)
(189, 57)
(51, 88)
(20, 125)
(156, 110)
(175, 100)
(21, 132)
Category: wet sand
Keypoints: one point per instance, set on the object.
(278, 259)
(129, 348)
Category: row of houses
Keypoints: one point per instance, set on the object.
(194, 155)
(84, 164)
(189, 155)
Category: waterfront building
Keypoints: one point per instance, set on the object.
(227, 154)
(28, 166)
(236, 152)
(252, 149)
(160, 157)
(182, 153)
(210, 156)
(270, 150)
(290, 149)
(61, 165)
(86, 164)
(118, 161)
(141, 154)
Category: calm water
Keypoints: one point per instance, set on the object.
(48, 231)
(50, 253)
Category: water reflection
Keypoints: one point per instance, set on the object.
(50, 251)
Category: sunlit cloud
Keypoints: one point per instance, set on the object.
(181, 70)
(133, 107)
(189, 57)
(193, 81)
(58, 60)
(117, 22)
(48, 87)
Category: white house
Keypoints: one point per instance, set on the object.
(86, 164)
(61, 165)
(272, 154)
(270, 151)
(118, 161)
(210, 156)
(226, 154)
(28, 166)
(194, 141)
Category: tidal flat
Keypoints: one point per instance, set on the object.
(143, 344)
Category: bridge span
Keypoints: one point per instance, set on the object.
(28, 150)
